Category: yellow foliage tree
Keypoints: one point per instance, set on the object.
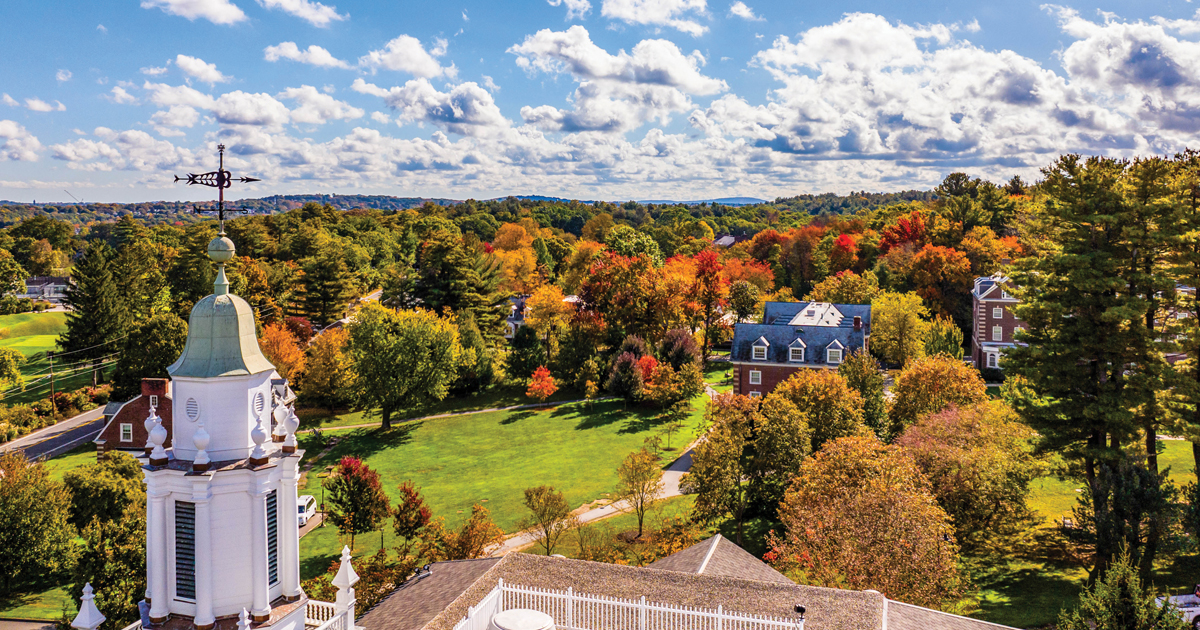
(283, 350)
(512, 237)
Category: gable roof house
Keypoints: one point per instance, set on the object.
(126, 429)
(712, 580)
(995, 323)
(795, 336)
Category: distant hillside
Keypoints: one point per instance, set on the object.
(724, 201)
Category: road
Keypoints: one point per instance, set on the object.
(50, 439)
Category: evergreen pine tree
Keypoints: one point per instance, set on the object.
(328, 287)
(97, 318)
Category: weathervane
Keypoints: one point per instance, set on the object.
(219, 179)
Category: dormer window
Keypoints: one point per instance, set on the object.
(833, 355)
(796, 355)
(759, 353)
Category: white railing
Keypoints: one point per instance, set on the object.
(137, 625)
(317, 613)
(340, 621)
(576, 611)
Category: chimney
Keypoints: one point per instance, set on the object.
(154, 387)
(857, 323)
(1005, 261)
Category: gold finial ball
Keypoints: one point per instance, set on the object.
(221, 249)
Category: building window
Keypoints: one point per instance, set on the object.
(272, 539)
(993, 360)
(796, 354)
(755, 377)
(756, 394)
(997, 312)
(760, 353)
(126, 432)
(997, 333)
(833, 355)
(154, 401)
(185, 550)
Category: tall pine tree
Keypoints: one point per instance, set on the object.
(328, 286)
(97, 318)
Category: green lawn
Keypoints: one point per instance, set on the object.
(27, 324)
(489, 458)
(496, 397)
(719, 375)
(81, 455)
(33, 335)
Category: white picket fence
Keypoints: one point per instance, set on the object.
(325, 616)
(576, 611)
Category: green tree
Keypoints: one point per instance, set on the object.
(401, 359)
(96, 320)
(639, 482)
(864, 375)
(142, 280)
(12, 276)
(627, 241)
(150, 348)
(898, 327)
(549, 515)
(527, 354)
(35, 531)
(102, 490)
(192, 271)
(113, 560)
(944, 337)
(356, 497)
(11, 361)
(327, 286)
(1120, 600)
(743, 299)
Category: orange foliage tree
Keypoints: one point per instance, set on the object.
(942, 277)
(283, 350)
(542, 385)
(931, 384)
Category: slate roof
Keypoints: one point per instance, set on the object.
(721, 557)
(420, 599)
(901, 616)
(776, 331)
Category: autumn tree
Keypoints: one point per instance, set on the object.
(279, 345)
(549, 515)
(35, 533)
(944, 337)
(846, 287)
(547, 312)
(898, 327)
(832, 408)
(639, 482)
(410, 516)
(864, 375)
(930, 385)
(401, 359)
(743, 299)
(470, 541)
(979, 461)
(942, 277)
(860, 515)
(356, 497)
(710, 291)
(328, 375)
(541, 385)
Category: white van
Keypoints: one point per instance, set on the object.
(307, 508)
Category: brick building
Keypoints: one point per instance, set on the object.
(994, 321)
(126, 429)
(795, 336)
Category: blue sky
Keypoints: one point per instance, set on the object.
(608, 99)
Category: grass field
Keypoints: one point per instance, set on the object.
(33, 335)
(489, 459)
(81, 455)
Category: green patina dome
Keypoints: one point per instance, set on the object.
(221, 339)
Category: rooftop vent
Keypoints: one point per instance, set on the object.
(521, 619)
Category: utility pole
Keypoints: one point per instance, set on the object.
(50, 355)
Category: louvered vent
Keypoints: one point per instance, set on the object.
(260, 403)
(272, 538)
(193, 409)
(185, 550)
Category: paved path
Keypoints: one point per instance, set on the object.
(312, 524)
(68, 433)
(20, 624)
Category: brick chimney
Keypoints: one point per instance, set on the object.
(1006, 261)
(154, 386)
(857, 323)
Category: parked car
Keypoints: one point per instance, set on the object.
(1187, 605)
(307, 508)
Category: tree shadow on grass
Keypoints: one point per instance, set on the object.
(314, 566)
(517, 416)
(30, 592)
(363, 443)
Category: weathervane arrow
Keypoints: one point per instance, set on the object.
(219, 179)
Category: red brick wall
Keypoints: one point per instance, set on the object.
(772, 376)
(134, 412)
(984, 320)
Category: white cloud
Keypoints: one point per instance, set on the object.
(575, 8)
(243, 108)
(102, 28)
(406, 54)
(314, 13)
(618, 92)
(316, 108)
(121, 97)
(62, 76)
(677, 14)
(10, 101)
(314, 55)
(133, 150)
(490, 84)
(17, 143)
(38, 105)
(739, 9)
(381, 117)
(198, 69)
(464, 109)
(166, 95)
(167, 122)
(154, 71)
(215, 11)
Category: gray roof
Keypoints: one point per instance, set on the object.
(721, 557)
(221, 341)
(776, 331)
(903, 616)
(420, 599)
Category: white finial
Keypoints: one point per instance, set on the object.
(243, 620)
(149, 424)
(259, 435)
(280, 412)
(291, 424)
(158, 437)
(89, 617)
(346, 577)
(200, 439)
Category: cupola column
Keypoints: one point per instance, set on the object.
(261, 610)
(202, 498)
(156, 556)
(289, 539)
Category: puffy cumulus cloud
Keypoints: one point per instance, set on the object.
(132, 150)
(167, 95)
(677, 14)
(314, 13)
(575, 8)
(244, 108)
(1147, 70)
(215, 11)
(465, 109)
(120, 96)
(406, 54)
(618, 92)
(739, 9)
(315, 108)
(16, 143)
(38, 105)
(154, 71)
(314, 55)
(199, 70)
(175, 116)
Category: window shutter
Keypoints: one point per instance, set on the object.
(185, 550)
(272, 539)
